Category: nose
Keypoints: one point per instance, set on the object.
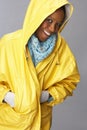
(52, 28)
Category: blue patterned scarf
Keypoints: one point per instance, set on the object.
(40, 50)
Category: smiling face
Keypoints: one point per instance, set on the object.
(50, 25)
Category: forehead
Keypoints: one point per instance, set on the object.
(58, 14)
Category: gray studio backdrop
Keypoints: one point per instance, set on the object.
(72, 114)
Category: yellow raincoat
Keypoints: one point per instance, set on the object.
(57, 73)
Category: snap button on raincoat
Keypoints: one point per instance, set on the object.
(58, 73)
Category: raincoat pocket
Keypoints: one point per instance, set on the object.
(10, 117)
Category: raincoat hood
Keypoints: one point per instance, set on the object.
(38, 10)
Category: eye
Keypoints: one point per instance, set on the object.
(58, 25)
(49, 20)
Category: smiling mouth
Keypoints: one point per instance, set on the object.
(47, 33)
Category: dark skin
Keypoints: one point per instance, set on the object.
(50, 25)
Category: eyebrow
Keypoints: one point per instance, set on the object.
(55, 20)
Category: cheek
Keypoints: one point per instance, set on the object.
(38, 32)
(40, 29)
(56, 30)
(43, 25)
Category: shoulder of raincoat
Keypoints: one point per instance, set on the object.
(58, 73)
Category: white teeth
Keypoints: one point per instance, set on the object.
(46, 33)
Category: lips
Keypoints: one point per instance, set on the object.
(47, 33)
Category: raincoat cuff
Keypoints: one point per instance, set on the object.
(50, 99)
(54, 97)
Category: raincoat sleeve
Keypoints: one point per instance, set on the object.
(4, 86)
(70, 78)
(62, 89)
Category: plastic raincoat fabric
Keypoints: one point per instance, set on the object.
(58, 73)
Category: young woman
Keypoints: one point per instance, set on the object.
(37, 67)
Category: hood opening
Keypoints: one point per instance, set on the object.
(68, 13)
(67, 10)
